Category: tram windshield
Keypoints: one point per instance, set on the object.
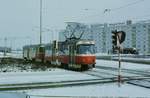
(85, 49)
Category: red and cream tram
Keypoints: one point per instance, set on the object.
(71, 54)
(77, 54)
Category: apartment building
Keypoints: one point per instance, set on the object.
(137, 34)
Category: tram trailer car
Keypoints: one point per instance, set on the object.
(51, 53)
(70, 54)
(34, 53)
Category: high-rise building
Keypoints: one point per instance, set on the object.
(137, 34)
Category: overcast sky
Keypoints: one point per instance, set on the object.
(19, 19)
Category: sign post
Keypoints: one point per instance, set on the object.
(118, 38)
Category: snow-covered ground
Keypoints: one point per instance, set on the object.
(100, 90)
(145, 60)
(124, 65)
(125, 57)
(13, 55)
(2, 55)
(13, 95)
(112, 73)
(14, 67)
(106, 54)
(130, 58)
(55, 75)
(17, 55)
(110, 90)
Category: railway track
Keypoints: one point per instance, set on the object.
(101, 79)
(142, 83)
(26, 86)
(130, 71)
(99, 74)
(139, 82)
(110, 75)
(103, 73)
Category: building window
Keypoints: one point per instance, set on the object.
(144, 26)
(133, 27)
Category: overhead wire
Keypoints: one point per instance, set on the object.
(130, 4)
(127, 5)
(140, 17)
(101, 14)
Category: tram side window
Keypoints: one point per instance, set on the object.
(41, 49)
(66, 49)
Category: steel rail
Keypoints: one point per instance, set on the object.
(27, 86)
(140, 82)
(139, 72)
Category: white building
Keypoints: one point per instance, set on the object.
(137, 34)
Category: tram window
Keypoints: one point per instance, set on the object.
(85, 49)
(41, 49)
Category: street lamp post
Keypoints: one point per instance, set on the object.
(5, 47)
(40, 22)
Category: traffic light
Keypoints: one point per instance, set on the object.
(55, 44)
(118, 37)
(114, 38)
(121, 36)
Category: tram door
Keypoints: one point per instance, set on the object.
(71, 54)
(28, 51)
(40, 53)
(54, 51)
